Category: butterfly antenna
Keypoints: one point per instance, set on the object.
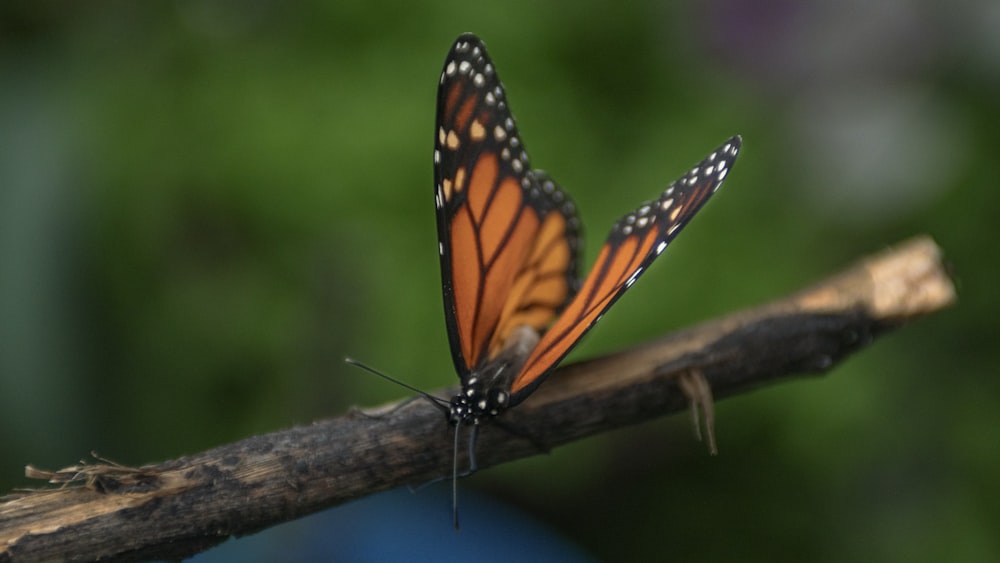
(438, 402)
(454, 478)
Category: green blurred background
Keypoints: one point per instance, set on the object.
(204, 206)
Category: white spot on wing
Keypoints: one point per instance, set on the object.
(633, 277)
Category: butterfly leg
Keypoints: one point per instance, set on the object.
(473, 466)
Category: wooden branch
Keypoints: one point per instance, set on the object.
(177, 508)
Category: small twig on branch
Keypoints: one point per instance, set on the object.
(177, 508)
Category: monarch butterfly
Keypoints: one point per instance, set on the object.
(509, 244)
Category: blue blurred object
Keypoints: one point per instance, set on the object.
(401, 526)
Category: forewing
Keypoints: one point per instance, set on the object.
(507, 235)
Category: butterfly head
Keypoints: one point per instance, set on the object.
(477, 402)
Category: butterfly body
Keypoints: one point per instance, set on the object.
(485, 391)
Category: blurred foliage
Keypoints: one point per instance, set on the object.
(205, 206)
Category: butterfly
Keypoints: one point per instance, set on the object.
(509, 243)
(509, 240)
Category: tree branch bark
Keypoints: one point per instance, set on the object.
(179, 507)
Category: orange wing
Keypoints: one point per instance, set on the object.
(635, 241)
(508, 236)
